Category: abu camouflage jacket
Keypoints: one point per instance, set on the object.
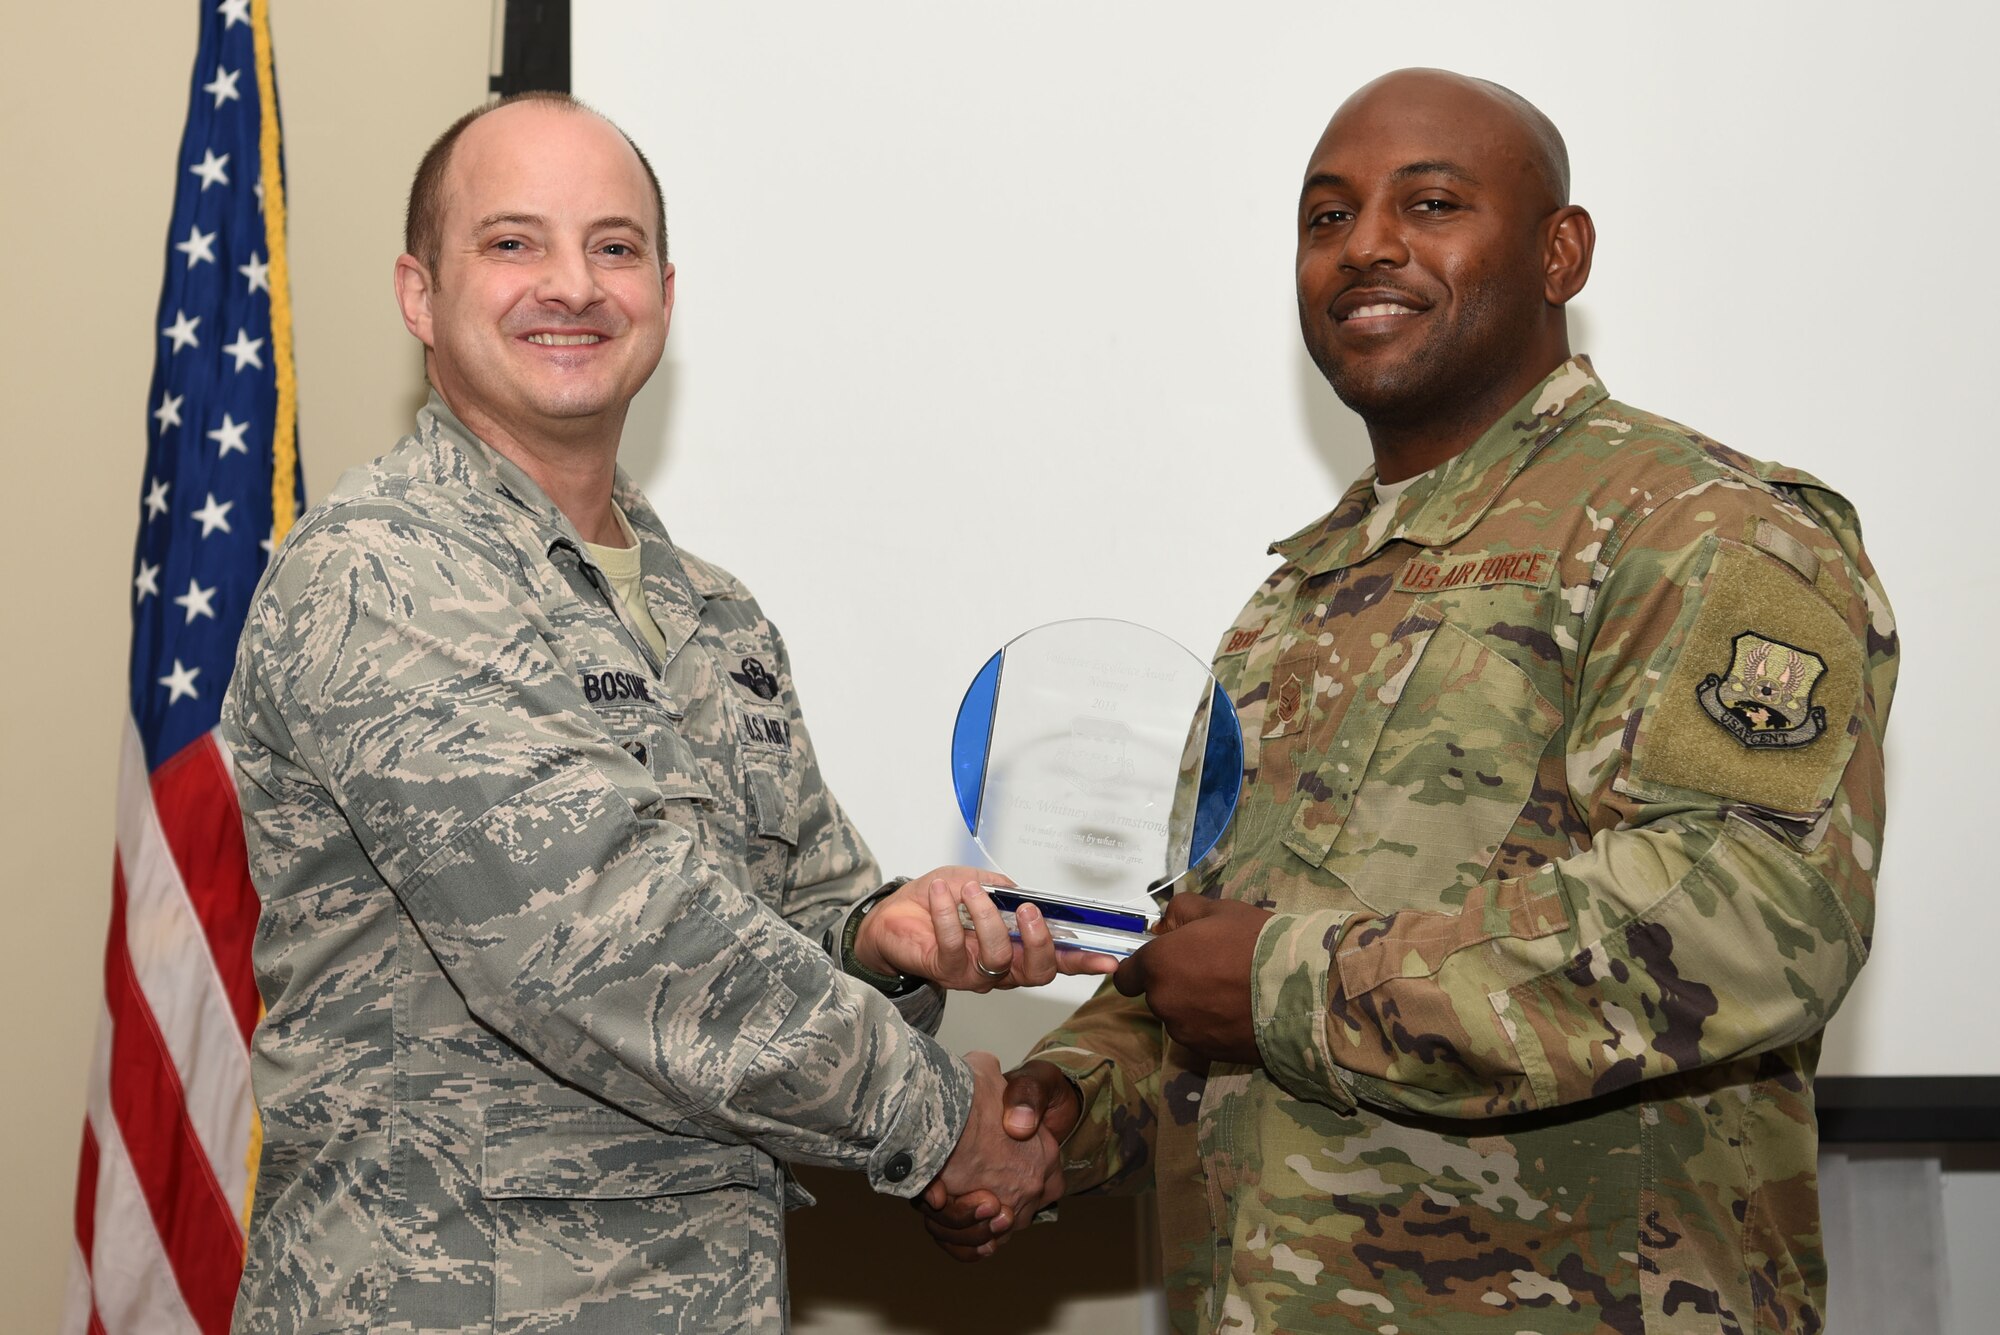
(1564, 780)
(542, 930)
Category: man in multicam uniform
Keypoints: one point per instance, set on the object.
(1499, 1007)
(555, 902)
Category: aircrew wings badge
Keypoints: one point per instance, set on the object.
(1765, 700)
(756, 679)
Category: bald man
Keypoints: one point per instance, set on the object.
(1499, 1004)
(567, 950)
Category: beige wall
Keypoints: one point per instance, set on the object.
(90, 121)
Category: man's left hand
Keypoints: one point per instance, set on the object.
(1196, 976)
(918, 932)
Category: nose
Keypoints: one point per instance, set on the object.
(568, 279)
(1375, 241)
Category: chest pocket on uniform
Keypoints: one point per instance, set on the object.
(774, 828)
(646, 733)
(1433, 765)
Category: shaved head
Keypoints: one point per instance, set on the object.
(1536, 141)
(1437, 250)
(1553, 153)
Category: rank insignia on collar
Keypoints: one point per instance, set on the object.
(1766, 698)
(757, 679)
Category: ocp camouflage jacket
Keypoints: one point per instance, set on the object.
(1564, 779)
(542, 932)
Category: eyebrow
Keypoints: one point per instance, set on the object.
(504, 219)
(1408, 171)
(620, 220)
(616, 220)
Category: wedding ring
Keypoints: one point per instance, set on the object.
(980, 965)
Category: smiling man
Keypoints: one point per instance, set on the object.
(566, 948)
(1500, 1003)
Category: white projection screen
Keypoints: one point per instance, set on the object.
(986, 318)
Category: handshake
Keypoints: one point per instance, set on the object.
(1008, 1163)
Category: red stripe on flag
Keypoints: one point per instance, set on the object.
(196, 805)
(196, 1225)
(86, 1195)
(86, 1216)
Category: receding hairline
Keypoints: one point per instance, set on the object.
(423, 218)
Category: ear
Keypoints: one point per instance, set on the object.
(414, 288)
(1568, 239)
(667, 295)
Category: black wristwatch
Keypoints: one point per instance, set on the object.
(891, 985)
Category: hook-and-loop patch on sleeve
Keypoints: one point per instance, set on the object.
(1758, 702)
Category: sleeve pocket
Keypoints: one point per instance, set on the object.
(1758, 700)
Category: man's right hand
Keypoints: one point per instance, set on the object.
(1012, 1176)
(1041, 1106)
(1040, 1097)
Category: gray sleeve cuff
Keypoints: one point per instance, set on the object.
(923, 1009)
(926, 1130)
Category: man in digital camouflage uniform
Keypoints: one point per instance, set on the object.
(555, 902)
(1499, 1006)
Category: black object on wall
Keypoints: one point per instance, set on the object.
(1903, 1108)
(534, 48)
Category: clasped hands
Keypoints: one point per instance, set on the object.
(1195, 975)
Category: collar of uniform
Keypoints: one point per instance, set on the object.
(670, 594)
(675, 595)
(1442, 507)
(656, 547)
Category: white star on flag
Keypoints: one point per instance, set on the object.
(233, 12)
(230, 436)
(244, 350)
(211, 169)
(213, 516)
(181, 331)
(156, 499)
(198, 601)
(180, 682)
(148, 581)
(223, 85)
(258, 271)
(169, 412)
(199, 246)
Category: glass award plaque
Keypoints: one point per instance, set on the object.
(1095, 762)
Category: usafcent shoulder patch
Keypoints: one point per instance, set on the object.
(1756, 701)
(1765, 699)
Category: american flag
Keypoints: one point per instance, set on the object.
(170, 1135)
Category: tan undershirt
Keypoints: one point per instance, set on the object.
(1387, 492)
(621, 566)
